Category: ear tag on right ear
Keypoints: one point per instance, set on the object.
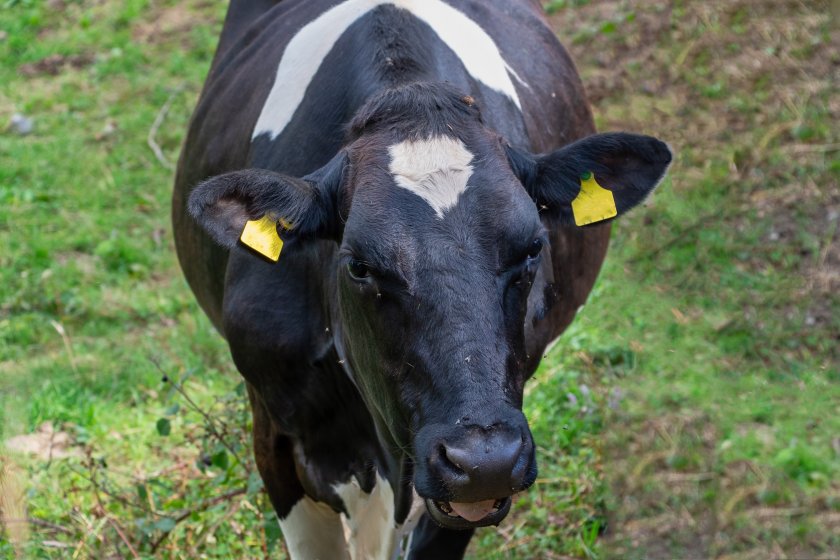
(261, 236)
(594, 203)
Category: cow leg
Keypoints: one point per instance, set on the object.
(311, 530)
(432, 542)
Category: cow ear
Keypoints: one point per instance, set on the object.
(305, 207)
(594, 179)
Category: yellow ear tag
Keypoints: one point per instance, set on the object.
(594, 203)
(261, 236)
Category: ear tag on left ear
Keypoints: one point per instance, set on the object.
(261, 236)
(594, 203)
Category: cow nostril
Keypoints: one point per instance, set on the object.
(454, 464)
(462, 459)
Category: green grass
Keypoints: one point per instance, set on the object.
(690, 411)
(84, 215)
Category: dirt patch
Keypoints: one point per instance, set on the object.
(55, 64)
(83, 262)
(57, 5)
(804, 220)
(673, 500)
(46, 443)
(165, 24)
(644, 481)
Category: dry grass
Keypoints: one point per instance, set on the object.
(13, 505)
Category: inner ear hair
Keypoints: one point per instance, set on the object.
(222, 205)
(225, 221)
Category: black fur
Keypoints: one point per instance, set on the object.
(415, 110)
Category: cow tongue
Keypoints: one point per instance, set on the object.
(475, 511)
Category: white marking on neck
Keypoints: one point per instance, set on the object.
(310, 46)
(313, 530)
(369, 527)
(406, 531)
(436, 170)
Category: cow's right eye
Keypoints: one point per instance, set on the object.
(535, 248)
(358, 270)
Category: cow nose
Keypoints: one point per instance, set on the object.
(483, 463)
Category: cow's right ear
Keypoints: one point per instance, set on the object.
(306, 207)
(594, 179)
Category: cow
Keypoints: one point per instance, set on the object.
(389, 209)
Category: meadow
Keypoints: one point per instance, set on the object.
(691, 411)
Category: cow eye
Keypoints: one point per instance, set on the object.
(358, 270)
(535, 248)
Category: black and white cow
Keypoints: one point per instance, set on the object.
(426, 257)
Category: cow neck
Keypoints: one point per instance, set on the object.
(399, 469)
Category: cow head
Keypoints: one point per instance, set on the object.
(440, 237)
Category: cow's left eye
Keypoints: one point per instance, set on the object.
(358, 270)
(535, 248)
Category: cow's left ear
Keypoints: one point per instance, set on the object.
(251, 206)
(594, 179)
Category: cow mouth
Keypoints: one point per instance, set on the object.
(454, 515)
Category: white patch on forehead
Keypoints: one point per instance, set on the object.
(369, 526)
(310, 46)
(436, 170)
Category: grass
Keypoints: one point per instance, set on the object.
(725, 443)
(690, 411)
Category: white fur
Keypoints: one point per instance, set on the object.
(473, 46)
(307, 49)
(437, 170)
(369, 527)
(404, 531)
(313, 531)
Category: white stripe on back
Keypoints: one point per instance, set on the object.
(307, 50)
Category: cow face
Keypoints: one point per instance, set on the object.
(438, 254)
(440, 240)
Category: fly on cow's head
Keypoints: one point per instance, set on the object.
(441, 233)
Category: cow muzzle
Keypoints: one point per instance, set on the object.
(472, 471)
